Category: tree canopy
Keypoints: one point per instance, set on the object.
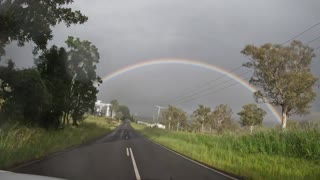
(53, 67)
(25, 96)
(175, 117)
(202, 116)
(221, 117)
(114, 106)
(125, 112)
(83, 57)
(24, 21)
(122, 112)
(251, 115)
(283, 77)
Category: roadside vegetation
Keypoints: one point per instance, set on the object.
(43, 108)
(266, 154)
(63, 81)
(21, 143)
(283, 79)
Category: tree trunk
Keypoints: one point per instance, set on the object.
(64, 119)
(74, 123)
(178, 126)
(251, 129)
(67, 117)
(284, 118)
(169, 126)
(202, 127)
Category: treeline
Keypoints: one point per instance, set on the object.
(121, 112)
(283, 78)
(63, 82)
(205, 119)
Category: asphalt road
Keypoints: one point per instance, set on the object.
(123, 154)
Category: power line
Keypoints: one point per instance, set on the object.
(204, 84)
(313, 40)
(207, 94)
(223, 82)
(294, 37)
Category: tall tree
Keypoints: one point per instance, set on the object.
(119, 115)
(251, 115)
(175, 118)
(282, 74)
(53, 67)
(114, 106)
(83, 57)
(221, 117)
(25, 20)
(124, 111)
(201, 115)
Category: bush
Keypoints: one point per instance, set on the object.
(28, 99)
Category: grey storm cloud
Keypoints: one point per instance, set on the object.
(130, 31)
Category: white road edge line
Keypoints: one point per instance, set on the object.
(226, 175)
(135, 166)
(127, 152)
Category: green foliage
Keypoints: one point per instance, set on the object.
(20, 143)
(64, 83)
(28, 97)
(251, 115)
(268, 154)
(124, 110)
(83, 57)
(202, 116)
(282, 73)
(175, 118)
(221, 117)
(114, 105)
(6, 77)
(26, 21)
(53, 67)
(119, 115)
(2, 101)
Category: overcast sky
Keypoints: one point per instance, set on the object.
(212, 31)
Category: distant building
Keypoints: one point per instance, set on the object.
(102, 109)
(158, 125)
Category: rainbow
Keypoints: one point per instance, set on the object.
(198, 64)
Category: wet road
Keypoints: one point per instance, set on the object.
(123, 154)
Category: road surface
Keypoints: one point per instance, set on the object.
(123, 154)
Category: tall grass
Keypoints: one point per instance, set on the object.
(20, 143)
(272, 154)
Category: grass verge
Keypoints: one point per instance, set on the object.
(19, 144)
(264, 155)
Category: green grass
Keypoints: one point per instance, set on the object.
(263, 155)
(19, 144)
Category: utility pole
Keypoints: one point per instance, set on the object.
(159, 109)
